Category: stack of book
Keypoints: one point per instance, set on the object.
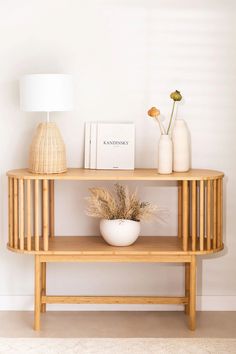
(109, 146)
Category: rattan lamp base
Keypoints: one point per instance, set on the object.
(47, 151)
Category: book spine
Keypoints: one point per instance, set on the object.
(87, 145)
(93, 146)
(98, 155)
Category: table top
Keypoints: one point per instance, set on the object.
(138, 174)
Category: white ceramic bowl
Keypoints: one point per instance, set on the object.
(120, 232)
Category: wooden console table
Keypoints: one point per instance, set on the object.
(31, 231)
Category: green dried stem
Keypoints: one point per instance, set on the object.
(171, 117)
(176, 97)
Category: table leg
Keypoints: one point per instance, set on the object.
(37, 293)
(192, 294)
(43, 284)
(187, 285)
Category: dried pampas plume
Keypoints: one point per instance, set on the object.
(120, 205)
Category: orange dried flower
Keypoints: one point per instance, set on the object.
(153, 112)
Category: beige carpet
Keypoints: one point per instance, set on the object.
(117, 346)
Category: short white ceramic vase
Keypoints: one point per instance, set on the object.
(181, 146)
(165, 154)
(119, 232)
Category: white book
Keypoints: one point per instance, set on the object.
(115, 146)
(87, 145)
(93, 146)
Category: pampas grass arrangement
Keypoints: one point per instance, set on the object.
(121, 204)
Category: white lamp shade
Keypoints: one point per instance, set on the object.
(46, 93)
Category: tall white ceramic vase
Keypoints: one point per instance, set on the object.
(181, 146)
(165, 154)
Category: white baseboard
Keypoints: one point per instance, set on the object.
(204, 303)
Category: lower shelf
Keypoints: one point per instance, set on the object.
(95, 245)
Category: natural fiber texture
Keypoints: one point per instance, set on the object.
(47, 151)
(119, 205)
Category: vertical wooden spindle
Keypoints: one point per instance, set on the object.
(21, 213)
(214, 213)
(41, 191)
(15, 213)
(194, 214)
(219, 213)
(52, 211)
(185, 215)
(201, 216)
(209, 213)
(45, 215)
(10, 211)
(28, 213)
(36, 214)
(180, 208)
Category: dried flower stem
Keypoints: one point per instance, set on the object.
(120, 205)
(162, 129)
(171, 117)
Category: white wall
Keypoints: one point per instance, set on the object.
(125, 56)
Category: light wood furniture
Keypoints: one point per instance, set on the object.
(31, 231)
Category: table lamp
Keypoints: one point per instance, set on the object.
(47, 93)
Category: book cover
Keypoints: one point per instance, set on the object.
(115, 146)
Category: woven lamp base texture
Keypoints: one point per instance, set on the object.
(47, 151)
